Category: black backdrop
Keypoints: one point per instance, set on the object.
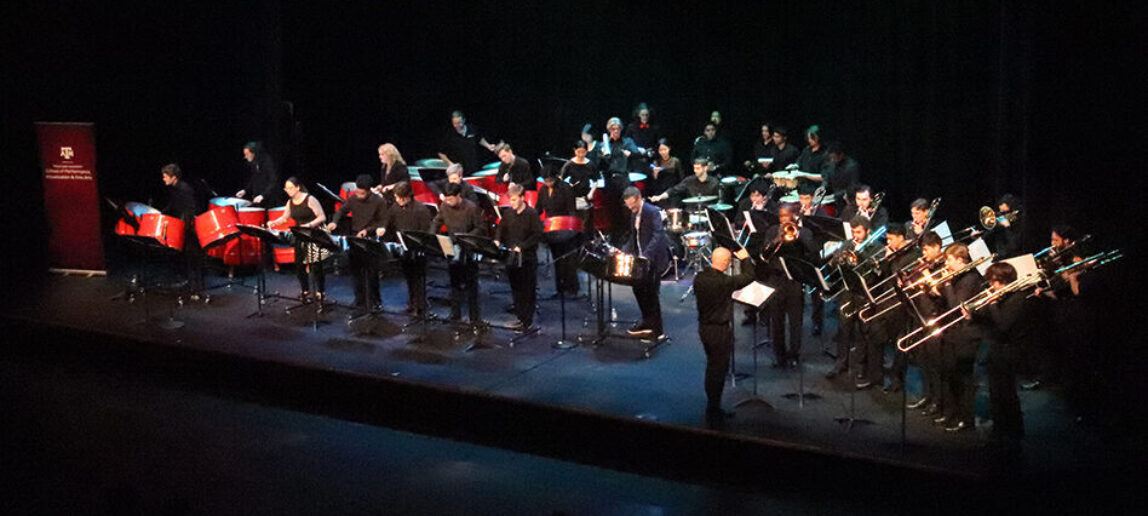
(962, 100)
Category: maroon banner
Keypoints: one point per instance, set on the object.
(71, 196)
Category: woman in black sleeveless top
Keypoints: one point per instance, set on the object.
(306, 211)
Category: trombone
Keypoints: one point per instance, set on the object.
(988, 220)
(955, 315)
(929, 281)
(1049, 258)
(847, 257)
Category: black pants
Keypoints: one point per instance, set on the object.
(366, 274)
(615, 207)
(787, 307)
(415, 271)
(718, 343)
(959, 387)
(646, 292)
(464, 285)
(931, 355)
(523, 287)
(1008, 423)
(817, 317)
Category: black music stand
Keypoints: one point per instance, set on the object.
(230, 273)
(828, 228)
(151, 250)
(563, 237)
(425, 243)
(483, 247)
(325, 194)
(855, 285)
(267, 238)
(809, 275)
(374, 250)
(323, 240)
(755, 397)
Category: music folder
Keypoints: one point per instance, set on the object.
(753, 294)
(446, 245)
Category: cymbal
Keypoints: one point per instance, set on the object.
(721, 206)
(699, 199)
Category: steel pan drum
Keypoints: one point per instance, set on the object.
(166, 229)
(216, 225)
(283, 253)
(234, 202)
(638, 179)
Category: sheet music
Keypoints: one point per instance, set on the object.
(1024, 264)
(979, 249)
(753, 294)
(829, 248)
(848, 230)
(942, 230)
(446, 245)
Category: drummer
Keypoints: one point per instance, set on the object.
(307, 213)
(263, 181)
(181, 204)
(367, 210)
(697, 185)
(556, 199)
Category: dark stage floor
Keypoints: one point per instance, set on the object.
(613, 379)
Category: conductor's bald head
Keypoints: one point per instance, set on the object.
(720, 259)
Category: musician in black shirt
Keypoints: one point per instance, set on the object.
(918, 217)
(850, 332)
(644, 133)
(368, 211)
(617, 155)
(454, 175)
(713, 289)
(461, 144)
(461, 217)
(812, 158)
(863, 206)
(1007, 326)
(665, 171)
(181, 204)
(784, 154)
(891, 326)
(699, 184)
(515, 169)
(521, 230)
(582, 174)
(959, 345)
(713, 148)
(1005, 239)
(787, 305)
(393, 170)
(556, 199)
(762, 149)
(263, 181)
(407, 215)
(840, 174)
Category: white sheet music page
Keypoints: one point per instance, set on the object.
(1024, 264)
(977, 250)
(942, 230)
(753, 294)
(446, 245)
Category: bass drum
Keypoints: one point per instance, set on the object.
(165, 229)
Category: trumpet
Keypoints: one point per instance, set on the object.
(787, 233)
(931, 280)
(937, 325)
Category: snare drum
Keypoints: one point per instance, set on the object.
(166, 229)
(699, 220)
(696, 239)
(216, 225)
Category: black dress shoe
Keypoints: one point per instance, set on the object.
(516, 326)
(959, 426)
(638, 329)
(913, 405)
(940, 420)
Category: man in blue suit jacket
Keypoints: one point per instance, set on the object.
(647, 238)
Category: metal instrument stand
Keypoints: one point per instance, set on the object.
(266, 239)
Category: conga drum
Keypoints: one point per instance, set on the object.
(166, 229)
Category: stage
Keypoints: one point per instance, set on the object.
(604, 388)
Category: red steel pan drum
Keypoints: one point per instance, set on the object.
(132, 210)
(638, 179)
(216, 225)
(245, 249)
(166, 229)
(283, 253)
(562, 223)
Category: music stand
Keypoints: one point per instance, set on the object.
(828, 228)
(150, 248)
(741, 296)
(374, 250)
(326, 194)
(855, 285)
(485, 247)
(267, 238)
(562, 343)
(323, 240)
(810, 275)
(426, 243)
